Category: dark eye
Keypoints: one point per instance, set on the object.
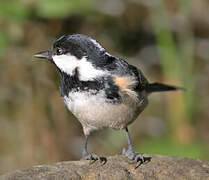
(59, 51)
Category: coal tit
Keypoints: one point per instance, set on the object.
(101, 90)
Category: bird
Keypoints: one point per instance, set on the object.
(101, 90)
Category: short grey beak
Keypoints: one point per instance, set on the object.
(44, 55)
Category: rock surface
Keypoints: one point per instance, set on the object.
(117, 167)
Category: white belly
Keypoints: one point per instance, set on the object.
(95, 113)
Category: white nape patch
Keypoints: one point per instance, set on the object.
(97, 45)
(100, 47)
(108, 54)
(68, 63)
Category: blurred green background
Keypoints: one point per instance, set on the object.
(168, 40)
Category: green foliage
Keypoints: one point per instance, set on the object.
(13, 10)
(10, 12)
(62, 8)
(166, 146)
(4, 42)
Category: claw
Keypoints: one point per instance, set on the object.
(93, 158)
(138, 158)
(103, 160)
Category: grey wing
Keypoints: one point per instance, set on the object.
(126, 75)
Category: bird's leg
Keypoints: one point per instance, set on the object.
(85, 152)
(88, 156)
(130, 152)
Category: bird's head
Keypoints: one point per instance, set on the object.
(78, 52)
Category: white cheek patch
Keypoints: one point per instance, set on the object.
(68, 63)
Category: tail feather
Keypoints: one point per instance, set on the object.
(158, 87)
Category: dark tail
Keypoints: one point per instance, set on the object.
(158, 87)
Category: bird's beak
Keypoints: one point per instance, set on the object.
(44, 55)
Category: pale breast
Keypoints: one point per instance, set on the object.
(94, 112)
